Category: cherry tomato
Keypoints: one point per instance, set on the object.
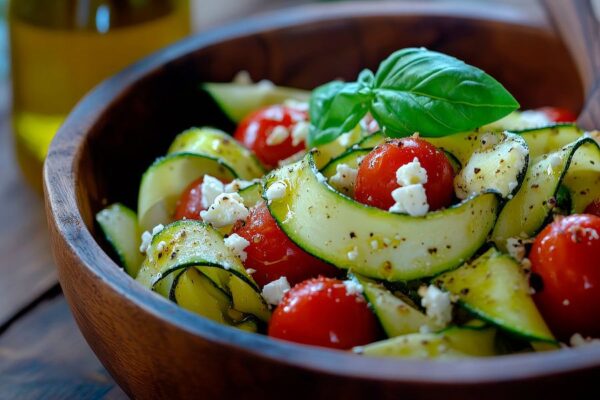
(273, 255)
(557, 114)
(565, 257)
(593, 208)
(323, 312)
(190, 202)
(376, 177)
(254, 132)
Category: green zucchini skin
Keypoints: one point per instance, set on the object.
(239, 100)
(121, 230)
(453, 342)
(550, 138)
(531, 208)
(316, 217)
(165, 180)
(495, 289)
(395, 315)
(190, 243)
(252, 194)
(218, 144)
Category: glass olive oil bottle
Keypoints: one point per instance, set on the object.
(60, 49)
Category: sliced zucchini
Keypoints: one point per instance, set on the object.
(549, 139)
(454, 342)
(519, 120)
(531, 207)
(239, 100)
(340, 145)
(193, 291)
(165, 180)
(500, 166)
(495, 288)
(120, 227)
(350, 158)
(374, 242)
(396, 316)
(252, 194)
(217, 144)
(582, 179)
(188, 243)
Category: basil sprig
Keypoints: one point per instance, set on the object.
(414, 90)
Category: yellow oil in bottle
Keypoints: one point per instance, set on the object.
(60, 49)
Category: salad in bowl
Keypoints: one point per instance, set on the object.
(415, 212)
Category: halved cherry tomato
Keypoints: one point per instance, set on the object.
(557, 114)
(565, 257)
(323, 312)
(593, 208)
(273, 255)
(254, 132)
(190, 202)
(376, 178)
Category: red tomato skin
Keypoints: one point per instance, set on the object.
(565, 256)
(557, 114)
(321, 312)
(273, 255)
(253, 131)
(190, 202)
(376, 177)
(593, 208)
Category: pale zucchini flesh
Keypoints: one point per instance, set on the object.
(120, 227)
(454, 342)
(190, 243)
(218, 144)
(166, 179)
(239, 100)
(496, 289)
(316, 218)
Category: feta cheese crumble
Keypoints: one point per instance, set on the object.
(225, 210)
(161, 246)
(211, 187)
(353, 288)
(577, 340)
(147, 237)
(438, 304)
(489, 140)
(273, 292)
(411, 200)
(300, 132)
(236, 185)
(411, 173)
(237, 244)
(344, 179)
(353, 254)
(276, 191)
(277, 135)
(515, 248)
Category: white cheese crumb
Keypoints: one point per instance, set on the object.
(411, 200)
(276, 191)
(353, 254)
(300, 132)
(374, 244)
(533, 119)
(345, 139)
(273, 292)
(411, 173)
(236, 185)
(226, 210)
(344, 178)
(353, 288)
(515, 248)
(577, 340)
(438, 305)
(161, 246)
(566, 302)
(277, 135)
(250, 271)
(237, 244)
(489, 140)
(242, 78)
(296, 105)
(211, 187)
(147, 237)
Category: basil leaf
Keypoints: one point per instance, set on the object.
(417, 90)
(337, 107)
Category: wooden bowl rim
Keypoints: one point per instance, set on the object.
(61, 171)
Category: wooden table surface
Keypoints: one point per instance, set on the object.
(42, 353)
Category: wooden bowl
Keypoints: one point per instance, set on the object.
(155, 349)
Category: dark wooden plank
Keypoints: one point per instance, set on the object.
(26, 264)
(44, 356)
